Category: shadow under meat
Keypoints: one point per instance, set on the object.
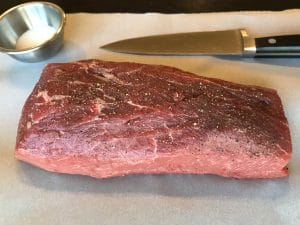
(184, 185)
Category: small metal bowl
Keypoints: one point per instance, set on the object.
(21, 18)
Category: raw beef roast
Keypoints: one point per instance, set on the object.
(106, 119)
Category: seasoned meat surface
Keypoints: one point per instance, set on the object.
(105, 119)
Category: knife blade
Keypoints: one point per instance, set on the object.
(221, 43)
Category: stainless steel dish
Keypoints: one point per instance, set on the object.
(21, 18)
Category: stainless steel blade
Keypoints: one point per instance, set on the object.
(227, 42)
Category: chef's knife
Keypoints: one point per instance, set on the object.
(226, 42)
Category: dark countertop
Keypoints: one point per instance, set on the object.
(163, 6)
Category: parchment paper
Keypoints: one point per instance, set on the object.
(29, 195)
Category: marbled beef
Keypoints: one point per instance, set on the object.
(106, 119)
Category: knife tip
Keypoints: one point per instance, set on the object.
(108, 47)
(103, 46)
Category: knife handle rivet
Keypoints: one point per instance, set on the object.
(272, 41)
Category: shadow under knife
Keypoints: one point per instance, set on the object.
(288, 62)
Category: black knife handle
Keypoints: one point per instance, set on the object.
(278, 46)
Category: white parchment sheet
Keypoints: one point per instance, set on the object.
(29, 195)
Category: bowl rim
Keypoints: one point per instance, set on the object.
(57, 32)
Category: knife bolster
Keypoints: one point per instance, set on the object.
(249, 47)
